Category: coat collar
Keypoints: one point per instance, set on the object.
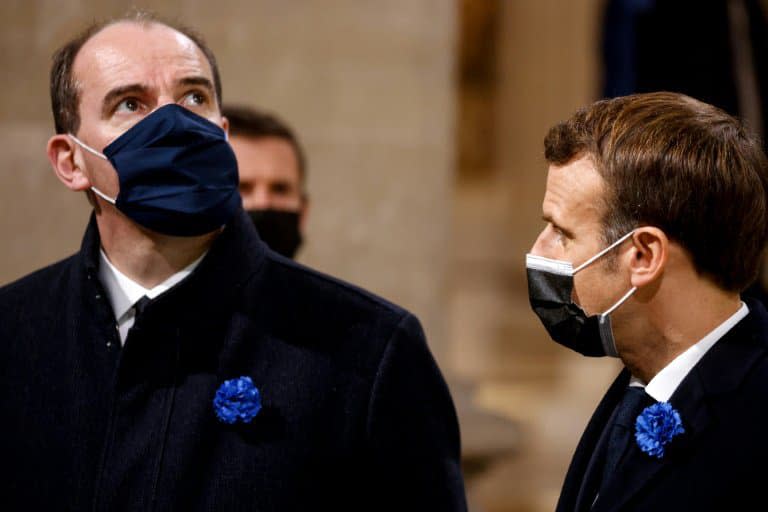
(718, 373)
(234, 258)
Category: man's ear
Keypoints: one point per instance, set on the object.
(650, 251)
(67, 163)
(225, 125)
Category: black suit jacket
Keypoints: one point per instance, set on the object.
(356, 415)
(719, 463)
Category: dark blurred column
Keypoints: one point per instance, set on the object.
(714, 50)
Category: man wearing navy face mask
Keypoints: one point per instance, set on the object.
(656, 215)
(174, 363)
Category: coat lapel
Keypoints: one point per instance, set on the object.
(579, 486)
(719, 372)
(639, 468)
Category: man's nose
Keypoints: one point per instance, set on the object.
(536, 248)
(262, 197)
(164, 100)
(257, 198)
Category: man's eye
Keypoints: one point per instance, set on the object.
(128, 105)
(281, 188)
(560, 237)
(197, 98)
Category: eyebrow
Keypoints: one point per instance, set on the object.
(548, 218)
(118, 92)
(140, 89)
(198, 80)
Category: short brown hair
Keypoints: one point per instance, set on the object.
(251, 122)
(65, 95)
(681, 165)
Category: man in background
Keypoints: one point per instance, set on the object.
(273, 176)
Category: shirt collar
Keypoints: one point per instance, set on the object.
(663, 385)
(123, 292)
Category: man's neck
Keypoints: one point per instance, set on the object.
(670, 327)
(146, 257)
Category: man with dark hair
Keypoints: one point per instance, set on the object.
(656, 215)
(273, 175)
(174, 362)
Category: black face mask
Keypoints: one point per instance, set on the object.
(279, 229)
(550, 291)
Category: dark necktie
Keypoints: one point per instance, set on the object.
(623, 429)
(139, 306)
(138, 309)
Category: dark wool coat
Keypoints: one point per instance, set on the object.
(355, 416)
(718, 464)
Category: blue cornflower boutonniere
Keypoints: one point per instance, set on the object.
(237, 400)
(655, 428)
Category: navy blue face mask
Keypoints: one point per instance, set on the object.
(177, 173)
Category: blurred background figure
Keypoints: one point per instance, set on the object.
(273, 172)
(721, 59)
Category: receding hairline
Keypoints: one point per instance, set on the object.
(145, 24)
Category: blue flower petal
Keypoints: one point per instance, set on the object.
(655, 428)
(237, 400)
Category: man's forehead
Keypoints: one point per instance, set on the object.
(573, 189)
(115, 49)
(266, 153)
(123, 34)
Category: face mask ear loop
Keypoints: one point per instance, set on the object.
(603, 252)
(87, 147)
(91, 150)
(102, 195)
(619, 303)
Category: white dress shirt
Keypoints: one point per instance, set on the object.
(664, 384)
(123, 292)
